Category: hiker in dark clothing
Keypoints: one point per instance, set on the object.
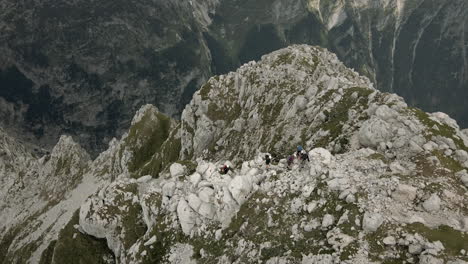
(304, 157)
(267, 160)
(225, 169)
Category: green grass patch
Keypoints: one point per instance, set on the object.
(48, 253)
(7, 239)
(435, 128)
(205, 90)
(378, 156)
(338, 115)
(448, 162)
(190, 165)
(146, 138)
(74, 247)
(283, 59)
(227, 114)
(349, 251)
(376, 245)
(168, 153)
(453, 240)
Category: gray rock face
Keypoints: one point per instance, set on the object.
(138, 204)
(85, 67)
(40, 196)
(250, 96)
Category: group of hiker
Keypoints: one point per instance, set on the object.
(300, 155)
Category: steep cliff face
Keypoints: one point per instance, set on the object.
(40, 196)
(84, 67)
(385, 182)
(37, 195)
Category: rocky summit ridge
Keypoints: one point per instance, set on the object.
(386, 183)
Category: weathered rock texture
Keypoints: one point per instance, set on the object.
(385, 182)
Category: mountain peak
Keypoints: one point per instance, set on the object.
(276, 101)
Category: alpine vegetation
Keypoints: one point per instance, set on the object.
(372, 181)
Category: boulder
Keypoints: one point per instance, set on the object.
(428, 259)
(202, 167)
(186, 216)
(414, 147)
(389, 241)
(194, 201)
(195, 178)
(463, 175)
(311, 207)
(385, 113)
(206, 194)
(320, 156)
(461, 155)
(168, 189)
(350, 198)
(300, 102)
(371, 221)
(240, 187)
(207, 210)
(328, 220)
(177, 169)
(433, 248)
(430, 146)
(404, 193)
(446, 141)
(373, 132)
(464, 223)
(338, 184)
(211, 170)
(465, 132)
(144, 179)
(415, 249)
(445, 119)
(432, 204)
